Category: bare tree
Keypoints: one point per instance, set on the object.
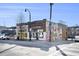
(20, 21)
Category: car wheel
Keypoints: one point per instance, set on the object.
(8, 38)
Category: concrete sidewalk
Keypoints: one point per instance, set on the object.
(32, 48)
(70, 49)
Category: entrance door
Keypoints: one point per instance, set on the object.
(37, 37)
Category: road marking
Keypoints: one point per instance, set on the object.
(7, 49)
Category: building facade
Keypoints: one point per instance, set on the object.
(63, 31)
(22, 31)
(40, 30)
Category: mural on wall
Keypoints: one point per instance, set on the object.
(22, 33)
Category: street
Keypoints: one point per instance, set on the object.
(38, 48)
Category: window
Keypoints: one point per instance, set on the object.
(34, 35)
(40, 34)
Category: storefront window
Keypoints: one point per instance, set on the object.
(40, 34)
(34, 35)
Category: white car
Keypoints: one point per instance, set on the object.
(76, 38)
(3, 37)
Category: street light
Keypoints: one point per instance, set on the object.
(50, 20)
(29, 23)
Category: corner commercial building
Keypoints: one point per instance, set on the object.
(40, 27)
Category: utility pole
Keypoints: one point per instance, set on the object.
(50, 21)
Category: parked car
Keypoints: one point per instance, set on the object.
(76, 38)
(71, 37)
(4, 37)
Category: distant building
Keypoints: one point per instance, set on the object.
(73, 31)
(12, 28)
(10, 32)
(3, 28)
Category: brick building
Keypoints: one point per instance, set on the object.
(40, 27)
(63, 31)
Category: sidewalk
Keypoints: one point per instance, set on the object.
(59, 45)
(41, 47)
(70, 49)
